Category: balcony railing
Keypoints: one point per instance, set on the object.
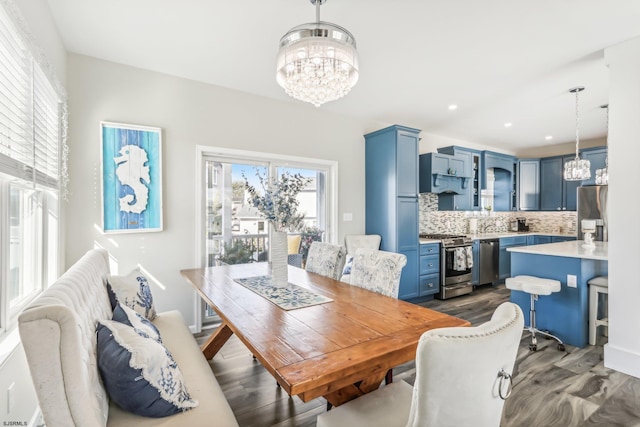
(258, 244)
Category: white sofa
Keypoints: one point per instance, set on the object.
(58, 332)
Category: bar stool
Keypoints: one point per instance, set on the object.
(597, 285)
(535, 286)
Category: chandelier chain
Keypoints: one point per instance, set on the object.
(577, 124)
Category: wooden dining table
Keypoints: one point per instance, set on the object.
(338, 350)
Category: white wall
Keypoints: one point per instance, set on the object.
(190, 114)
(14, 369)
(623, 350)
(42, 26)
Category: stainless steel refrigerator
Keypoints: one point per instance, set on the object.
(592, 204)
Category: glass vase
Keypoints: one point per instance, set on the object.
(278, 254)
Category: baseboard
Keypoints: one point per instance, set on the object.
(622, 360)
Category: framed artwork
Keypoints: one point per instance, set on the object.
(131, 158)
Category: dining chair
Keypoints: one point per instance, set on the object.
(326, 259)
(462, 379)
(378, 271)
(353, 242)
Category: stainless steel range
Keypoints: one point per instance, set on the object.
(456, 261)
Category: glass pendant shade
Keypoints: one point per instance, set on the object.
(602, 175)
(317, 62)
(577, 169)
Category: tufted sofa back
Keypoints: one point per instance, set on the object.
(58, 335)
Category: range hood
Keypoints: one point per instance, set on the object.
(448, 184)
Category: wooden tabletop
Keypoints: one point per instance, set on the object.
(339, 350)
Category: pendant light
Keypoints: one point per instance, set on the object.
(577, 169)
(317, 62)
(602, 175)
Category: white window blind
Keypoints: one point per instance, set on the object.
(29, 113)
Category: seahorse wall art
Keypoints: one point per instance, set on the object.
(131, 178)
(132, 170)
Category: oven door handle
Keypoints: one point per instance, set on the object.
(452, 249)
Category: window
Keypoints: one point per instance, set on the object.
(30, 141)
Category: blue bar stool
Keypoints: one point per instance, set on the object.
(535, 286)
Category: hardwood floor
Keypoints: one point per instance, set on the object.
(551, 388)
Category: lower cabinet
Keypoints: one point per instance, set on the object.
(555, 239)
(504, 268)
(429, 282)
(408, 286)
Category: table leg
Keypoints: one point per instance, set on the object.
(216, 341)
(348, 393)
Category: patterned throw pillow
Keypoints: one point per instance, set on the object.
(348, 265)
(139, 373)
(133, 291)
(129, 317)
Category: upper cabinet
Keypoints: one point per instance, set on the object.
(443, 173)
(529, 184)
(469, 199)
(556, 194)
(498, 179)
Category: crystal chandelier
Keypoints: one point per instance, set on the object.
(317, 62)
(577, 169)
(602, 175)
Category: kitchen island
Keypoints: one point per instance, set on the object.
(565, 313)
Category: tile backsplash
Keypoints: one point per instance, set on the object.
(434, 221)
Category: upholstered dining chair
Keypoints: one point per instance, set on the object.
(378, 271)
(353, 242)
(326, 259)
(462, 379)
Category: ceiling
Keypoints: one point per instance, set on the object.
(499, 61)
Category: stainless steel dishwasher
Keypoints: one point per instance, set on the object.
(489, 261)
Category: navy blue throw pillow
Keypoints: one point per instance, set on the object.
(139, 373)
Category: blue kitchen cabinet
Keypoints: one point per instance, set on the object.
(551, 184)
(391, 177)
(555, 239)
(541, 240)
(443, 173)
(529, 184)
(504, 265)
(556, 194)
(469, 199)
(503, 166)
(429, 281)
(597, 156)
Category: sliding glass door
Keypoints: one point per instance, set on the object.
(235, 232)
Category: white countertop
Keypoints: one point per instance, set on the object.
(571, 249)
(499, 235)
(424, 241)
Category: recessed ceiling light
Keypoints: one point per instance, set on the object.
(453, 107)
(508, 125)
(548, 137)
